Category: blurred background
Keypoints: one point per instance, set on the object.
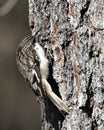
(18, 107)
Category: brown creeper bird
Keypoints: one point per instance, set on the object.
(33, 65)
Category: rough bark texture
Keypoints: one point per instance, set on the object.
(72, 33)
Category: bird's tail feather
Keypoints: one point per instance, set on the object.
(55, 99)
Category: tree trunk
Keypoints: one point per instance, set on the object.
(72, 33)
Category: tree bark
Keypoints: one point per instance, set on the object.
(72, 33)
